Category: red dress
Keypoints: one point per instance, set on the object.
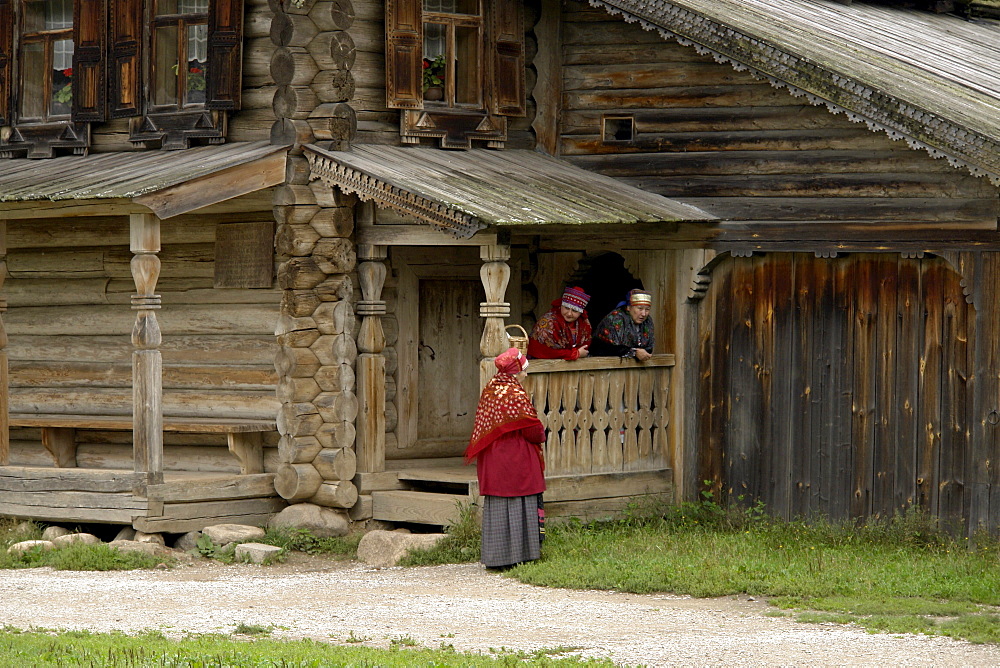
(552, 338)
(512, 464)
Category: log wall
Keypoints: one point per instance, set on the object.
(70, 322)
(723, 140)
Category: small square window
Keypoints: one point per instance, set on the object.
(617, 128)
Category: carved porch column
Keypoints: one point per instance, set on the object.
(371, 362)
(4, 377)
(495, 274)
(147, 364)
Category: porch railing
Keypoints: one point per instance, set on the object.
(603, 414)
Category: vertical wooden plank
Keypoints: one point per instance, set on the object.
(4, 375)
(663, 449)
(802, 416)
(600, 440)
(571, 422)
(742, 435)
(909, 328)
(956, 393)
(585, 400)
(885, 385)
(929, 388)
(407, 341)
(839, 471)
(863, 390)
(822, 398)
(630, 405)
(616, 421)
(782, 404)
(647, 381)
(763, 315)
(986, 397)
(555, 456)
(718, 370)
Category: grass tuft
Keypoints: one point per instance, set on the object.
(461, 545)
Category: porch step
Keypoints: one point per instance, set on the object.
(417, 507)
(452, 476)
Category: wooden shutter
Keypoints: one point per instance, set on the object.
(507, 41)
(404, 53)
(124, 82)
(88, 60)
(225, 54)
(6, 60)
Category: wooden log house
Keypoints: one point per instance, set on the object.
(334, 208)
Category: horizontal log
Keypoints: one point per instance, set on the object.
(301, 419)
(113, 401)
(335, 377)
(334, 85)
(300, 303)
(337, 435)
(293, 101)
(337, 407)
(341, 494)
(744, 140)
(202, 319)
(335, 256)
(335, 317)
(54, 374)
(725, 119)
(612, 75)
(257, 23)
(297, 482)
(91, 291)
(335, 287)
(296, 362)
(37, 479)
(334, 222)
(296, 390)
(296, 173)
(288, 132)
(293, 195)
(333, 14)
(292, 30)
(298, 449)
(336, 464)
(335, 349)
(292, 67)
(333, 50)
(300, 273)
(182, 349)
(235, 487)
(296, 214)
(295, 240)
(624, 99)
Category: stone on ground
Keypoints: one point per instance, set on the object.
(143, 537)
(127, 533)
(258, 553)
(188, 541)
(152, 549)
(321, 522)
(224, 534)
(28, 545)
(54, 532)
(71, 538)
(386, 548)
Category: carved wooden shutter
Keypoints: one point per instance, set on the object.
(404, 53)
(225, 54)
(6, 59)
(507, 40)
(88, 60)
(124, 82)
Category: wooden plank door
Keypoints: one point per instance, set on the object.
(447, 363)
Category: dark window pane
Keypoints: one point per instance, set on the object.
(171, 7)
(33, 80)
(165, 65)
(452, 6)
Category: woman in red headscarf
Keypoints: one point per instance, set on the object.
(506, 444)
(563, 333)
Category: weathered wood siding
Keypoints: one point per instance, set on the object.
(69, 324)
(850, 387)
(720, 139)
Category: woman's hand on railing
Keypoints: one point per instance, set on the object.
(642, 355)
(584, 352)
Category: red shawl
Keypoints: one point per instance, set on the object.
(504, 406)
(554, 338)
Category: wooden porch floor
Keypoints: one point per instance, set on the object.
(185, 501)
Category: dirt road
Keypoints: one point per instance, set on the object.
(460, 605)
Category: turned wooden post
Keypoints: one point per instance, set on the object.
(4, 378)
(495, 274)
(147, 365)
(371, 362)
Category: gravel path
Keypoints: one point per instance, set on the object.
(461, 605)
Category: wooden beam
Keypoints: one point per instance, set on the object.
(418, 235)
(69, 208)
(216, 187)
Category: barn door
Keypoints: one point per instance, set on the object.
(836, 387)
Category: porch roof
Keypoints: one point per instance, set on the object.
(466, 191)
(928, 78)
(167, 183)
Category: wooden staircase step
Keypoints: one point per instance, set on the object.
(462, 476)
(417, 507)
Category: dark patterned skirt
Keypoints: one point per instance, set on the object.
(513, 528)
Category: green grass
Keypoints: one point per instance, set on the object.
(462, 543)
(78, 648)
(301, 540)
(73, 557)
(903, 576)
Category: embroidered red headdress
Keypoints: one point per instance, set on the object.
(504, 405)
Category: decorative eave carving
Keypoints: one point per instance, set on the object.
(368, 188)
(921, 129)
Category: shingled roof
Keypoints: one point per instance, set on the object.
(931, 79)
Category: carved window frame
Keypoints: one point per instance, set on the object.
(46, 135)
(501, 74)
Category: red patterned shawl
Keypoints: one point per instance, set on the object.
(504, 406)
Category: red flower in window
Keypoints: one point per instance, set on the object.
(195, 70)
(427, 63)
(68, 72)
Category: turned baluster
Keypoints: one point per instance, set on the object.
(495, 274)
(371, 361)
